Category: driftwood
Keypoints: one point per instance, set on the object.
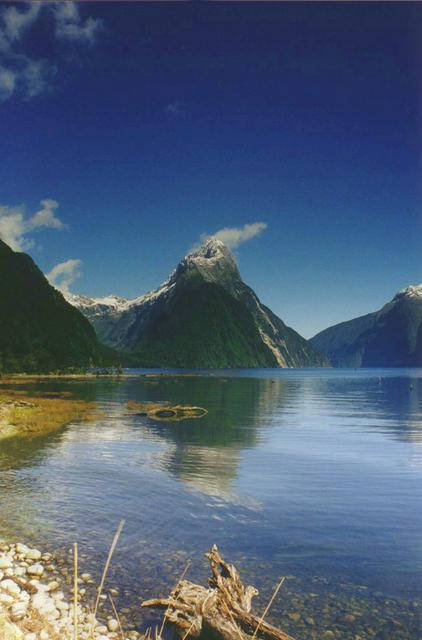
(165, 411)
(224, 608)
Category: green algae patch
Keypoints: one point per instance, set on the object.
(165, 411)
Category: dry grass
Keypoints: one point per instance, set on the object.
(75, 591)
(268, 607)
(10, 393)
(7, 630)
(107, 565)
(23, 415)
(33, 623)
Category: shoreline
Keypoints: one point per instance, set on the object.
(303, 614)
(36, 600)
(13, 378)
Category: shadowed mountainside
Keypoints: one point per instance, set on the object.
(39, 330)
(391, 337)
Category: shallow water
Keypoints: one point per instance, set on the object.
(313, 474)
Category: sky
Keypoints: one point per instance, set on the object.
(128, 131)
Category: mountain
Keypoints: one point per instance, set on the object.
(39, 330)
(391, 337)
(203, 315)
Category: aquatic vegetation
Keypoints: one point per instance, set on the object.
(27, 415)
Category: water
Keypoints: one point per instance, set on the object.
(312, 474)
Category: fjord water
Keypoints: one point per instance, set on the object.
(311, 474)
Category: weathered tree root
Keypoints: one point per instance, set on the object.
(223, 609)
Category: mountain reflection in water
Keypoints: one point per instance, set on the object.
(311, 473)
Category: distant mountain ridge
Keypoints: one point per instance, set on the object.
(203, 315)
(39, 330)
(390, 337)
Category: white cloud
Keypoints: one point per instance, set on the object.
(7, 83)
(46, 216)
(16, 22)
(36, 76)
(15, 226)
(18, 72)
(64, 274)
(69, 25)
(233, 237)
(25, 75)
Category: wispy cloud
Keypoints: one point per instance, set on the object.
(233, 237)
(15, 226)
(22, 74)
(64, 274)
(178, 106)
(18, 72)
(16, 22)
(70, 26)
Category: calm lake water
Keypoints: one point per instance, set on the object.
(311, 474)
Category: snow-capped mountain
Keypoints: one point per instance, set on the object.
(390, 337)
(231, 325)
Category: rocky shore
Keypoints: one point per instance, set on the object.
(36, 603)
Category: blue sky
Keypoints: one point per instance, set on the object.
(142, 126)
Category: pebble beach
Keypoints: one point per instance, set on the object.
(36, 601)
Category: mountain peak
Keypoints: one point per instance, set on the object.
(412, 291)
(202, 315)
(211, 249)
(215, 263)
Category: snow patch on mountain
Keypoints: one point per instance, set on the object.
(412, 291)
(212, 254)
(115, 302)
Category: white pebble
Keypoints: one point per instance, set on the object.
(10, 587)
(36, 570)
(6, 599)
(102, 629)
(112, 624)
(21, 548)
(5, 562)
(33, 554)
(18, 611)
